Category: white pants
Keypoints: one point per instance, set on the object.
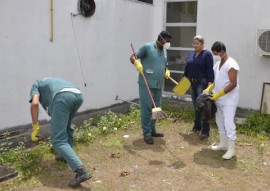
(225, 120)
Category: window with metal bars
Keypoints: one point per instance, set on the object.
(180, 22)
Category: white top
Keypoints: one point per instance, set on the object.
(222, 81)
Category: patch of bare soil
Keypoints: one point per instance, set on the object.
(179, 161)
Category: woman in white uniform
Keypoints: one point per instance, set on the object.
(225, 94)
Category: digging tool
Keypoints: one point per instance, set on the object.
(117, 98)
(157, 112)
(181, 87)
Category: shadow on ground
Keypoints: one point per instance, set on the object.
(193, 139)
(60, 174)
(214, 159)
(139, 144)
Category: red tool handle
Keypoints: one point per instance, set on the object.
(145, 81)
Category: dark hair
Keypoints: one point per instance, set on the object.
(164, 34)
(218, 46)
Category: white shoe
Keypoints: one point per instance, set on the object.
(231, 150)
(223, 145)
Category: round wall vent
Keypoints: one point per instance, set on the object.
(86, 7)
(264, 41)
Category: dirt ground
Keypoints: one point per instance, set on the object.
(179, 161)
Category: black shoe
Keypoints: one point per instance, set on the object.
(203, 136)
(148, 140)
(194, 130)
(60, 159)
(81, 176)
(157, 135)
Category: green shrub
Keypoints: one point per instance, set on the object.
(255, 123)
(25, 161)
(105, 124)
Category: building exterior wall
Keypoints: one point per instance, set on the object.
(103, 42)
(95, 51)
(235, 23)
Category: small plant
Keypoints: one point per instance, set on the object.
(184, 114)
(106, 124)
(113, 142)
(255, 124)
(25, 161)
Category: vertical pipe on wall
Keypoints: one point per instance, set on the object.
(51, 39)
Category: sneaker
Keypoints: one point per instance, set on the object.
(60, 159)
(157, 135)
(203, 136)
(148, 140)
(81, 176)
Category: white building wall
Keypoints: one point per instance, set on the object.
(235, 23)
(103, 43)
(104, 46)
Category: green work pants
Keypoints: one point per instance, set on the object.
(148, 125)
(65, 105)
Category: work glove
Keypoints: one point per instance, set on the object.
(217, 95)
(35, 133)
(208, 89)
(138, 66)
(167, 74)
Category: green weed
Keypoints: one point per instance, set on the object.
(106, 124)
(25, 161)
(181, 114)
(246, 164)
(256, 124)
(113, 142)
(214, 175)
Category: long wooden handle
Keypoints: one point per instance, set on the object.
(173, 80)
(145, 81)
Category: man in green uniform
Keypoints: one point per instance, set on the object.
(151, 60)
(61, 100)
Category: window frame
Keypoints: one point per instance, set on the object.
(178, 24)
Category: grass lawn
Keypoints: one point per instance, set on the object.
(121, 161)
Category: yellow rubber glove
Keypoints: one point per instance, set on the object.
(217, 95)
(209, 89)
(35, 132)
(139, 66)
(167, 73)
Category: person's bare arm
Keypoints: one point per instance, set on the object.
(233, 80)
(34, 108)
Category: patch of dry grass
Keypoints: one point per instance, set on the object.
(179, 161)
